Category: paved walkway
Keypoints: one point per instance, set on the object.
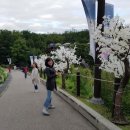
(21, 109)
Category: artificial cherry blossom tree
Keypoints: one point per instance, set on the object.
(64, 57)
(114, 48)
(41, 63)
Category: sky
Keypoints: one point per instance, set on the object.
(48, 16)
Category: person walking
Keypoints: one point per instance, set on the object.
(50, 85)
(35, 77)
(25, 70)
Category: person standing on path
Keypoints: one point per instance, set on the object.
(50, 85)
(35, 77)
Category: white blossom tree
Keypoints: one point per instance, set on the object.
(64, 57)
(41, 63)
(114, 48)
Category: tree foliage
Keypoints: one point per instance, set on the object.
(14, 42)
(19, 51)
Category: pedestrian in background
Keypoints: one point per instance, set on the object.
(25, 70)
(35, 77)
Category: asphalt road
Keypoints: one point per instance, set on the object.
(21, 109)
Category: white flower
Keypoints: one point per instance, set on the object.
(41, 61)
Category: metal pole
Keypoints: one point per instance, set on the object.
(97, 71)
(78, 83)
(63, 80)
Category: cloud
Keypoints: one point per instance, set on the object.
(46, 16)
(50, 16)
(36, 25)
(56, 6)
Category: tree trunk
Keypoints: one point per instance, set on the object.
(118, 116)
(41, 72)
(64, 74)
(116, 86)
(67, 68)
(63, 80)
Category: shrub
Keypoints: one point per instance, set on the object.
(3, 75)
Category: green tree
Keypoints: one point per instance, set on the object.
(83, 51)
(20, 52)
(5, 43)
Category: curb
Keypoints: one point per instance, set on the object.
(92, 116)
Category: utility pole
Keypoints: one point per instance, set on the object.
(97, 72)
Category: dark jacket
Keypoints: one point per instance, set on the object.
(51, 78)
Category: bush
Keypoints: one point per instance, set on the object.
(3, 75)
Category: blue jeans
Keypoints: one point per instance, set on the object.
(47, 102)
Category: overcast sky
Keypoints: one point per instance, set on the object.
(47, 16)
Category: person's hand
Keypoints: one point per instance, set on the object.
(33, 81)
(28, 73)
(58, 73)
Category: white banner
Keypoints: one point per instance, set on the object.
(31, 59)
(9, 60)
(35, 59)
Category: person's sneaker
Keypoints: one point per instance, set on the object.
(45, 112)
(51, 107)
